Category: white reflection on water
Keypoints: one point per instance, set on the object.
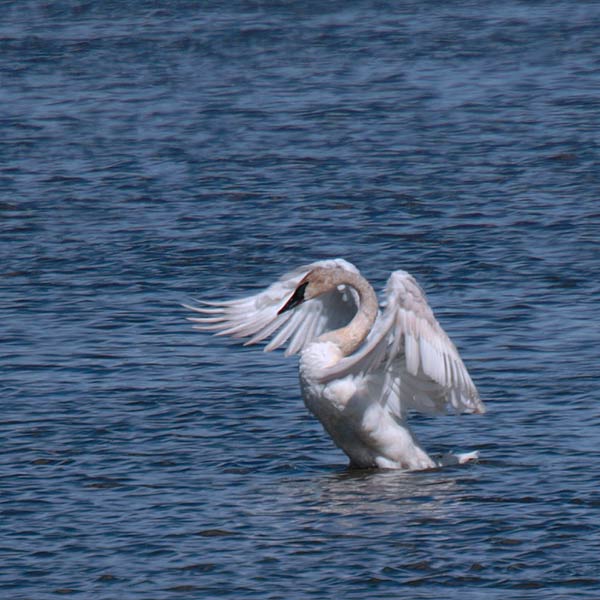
(379, 492)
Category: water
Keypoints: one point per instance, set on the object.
(155, 153)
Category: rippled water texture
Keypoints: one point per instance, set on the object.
(156, 152)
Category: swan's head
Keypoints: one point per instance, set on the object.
(316, 282)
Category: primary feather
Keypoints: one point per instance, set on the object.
(256, 316)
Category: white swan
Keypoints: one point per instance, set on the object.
(361, 369)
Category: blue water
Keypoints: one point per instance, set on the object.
(153, 152)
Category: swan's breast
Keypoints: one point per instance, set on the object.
(338, 404)
(324, 397)
(318, 355)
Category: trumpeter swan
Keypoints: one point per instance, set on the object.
(362, 369)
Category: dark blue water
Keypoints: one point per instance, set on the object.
(155, 152)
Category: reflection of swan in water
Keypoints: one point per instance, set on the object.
(423, 495)
(361, 369)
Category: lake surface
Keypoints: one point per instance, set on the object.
(152, 153)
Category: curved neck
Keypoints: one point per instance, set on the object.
(350, 337)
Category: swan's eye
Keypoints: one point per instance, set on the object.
(296, 298)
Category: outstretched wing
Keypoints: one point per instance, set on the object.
(255, 317)
(411, 361)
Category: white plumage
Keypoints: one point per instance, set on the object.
(361, 368)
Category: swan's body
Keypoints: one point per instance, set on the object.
(361, 368)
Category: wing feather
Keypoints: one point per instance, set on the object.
(255, 317)
(411, 361)
(286, 331)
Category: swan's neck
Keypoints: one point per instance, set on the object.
(350, 337)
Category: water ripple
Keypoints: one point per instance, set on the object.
(152, 155)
